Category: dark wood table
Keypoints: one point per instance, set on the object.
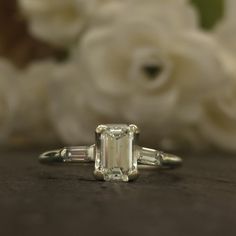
(198, 199)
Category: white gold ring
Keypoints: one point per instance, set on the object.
(116, 154)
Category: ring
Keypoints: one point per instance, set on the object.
(116, 154)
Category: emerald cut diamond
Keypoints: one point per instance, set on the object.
(116, 152)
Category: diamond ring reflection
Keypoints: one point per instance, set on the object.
(116, 154)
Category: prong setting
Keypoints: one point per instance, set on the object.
(100, 129)
(116, 154)
(98, 175)
(134, 128)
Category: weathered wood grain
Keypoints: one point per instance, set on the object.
(199, 199)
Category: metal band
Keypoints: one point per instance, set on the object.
(153, 157)
(69, 155)
(86, 154)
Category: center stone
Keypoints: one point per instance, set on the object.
(116, 152)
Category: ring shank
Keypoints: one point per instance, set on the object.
(68, 155)
(86, 154)
(51, 157)
(171, 161)
(153, 157)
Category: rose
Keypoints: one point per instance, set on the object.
(229, 7)
(218, 124)
(56, 21)
(71, 117)
(152, 77)
(171, 13)
(225, 30)
(31, 121)
(220, 112)
(61, 22)
(73, 100)
(142, 71)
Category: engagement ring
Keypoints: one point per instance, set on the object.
(116, 154)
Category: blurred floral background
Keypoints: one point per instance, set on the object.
(168, 66)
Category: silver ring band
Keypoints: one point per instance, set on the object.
(86, 154)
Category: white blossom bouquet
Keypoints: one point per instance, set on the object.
(130, 61)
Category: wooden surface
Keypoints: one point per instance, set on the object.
(199, 199)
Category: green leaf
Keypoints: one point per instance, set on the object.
(210, 11)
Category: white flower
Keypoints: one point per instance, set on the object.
(136, 63)
(126, 64)
(229, 7)
(219, 124)
(8, 86)
(56, 21)
(60, 22)
(220, 112)
(149, 76)
(174, 14)
(225, 30)
(144, 72)
(68, 110)
(32, 123)
(219, 117)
